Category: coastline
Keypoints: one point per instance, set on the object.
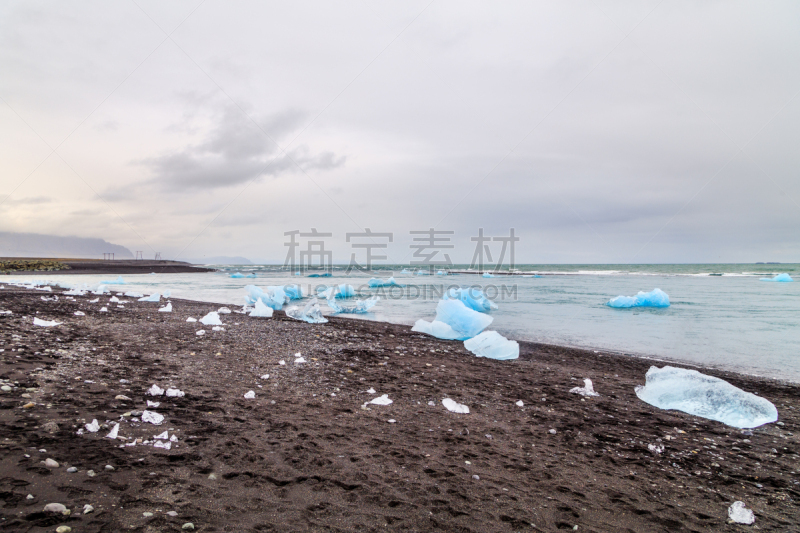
(112, 267)
(299, 458)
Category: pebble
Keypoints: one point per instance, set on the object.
(552, 431)
(122, 397)
(55, 508)
(172, 513)
(212, 476)
(30, 497)
(109, 468)
(25, 395)
(90, 473)
(147, 514)
(87, 509)
(51, 463)
(476, 477)
(5, 388)
(63, 529)
(187, 525)
(29, 405)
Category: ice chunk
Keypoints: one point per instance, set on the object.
(463, 322)
(488, 275)
(175, 393)
(360, 307)
(265, 376)
(79, 313)
(132, 294)
(311, 313)
(371, 391)
(375, 282)
(586, 390)
(114, 432)
(780, 277)
(161, 444)
(300, 359)
(422, 273)
(472, 297)
(656, 448)
(261, 310)
(251, 275)
(155, 390)
(441, 273)
(118, 281)
(75, 292)
(381, 400)
(405, 271)
(104, 309)
(705, 396)
(520, 403)
(166, 309)
(113, 300)
(152, 417)
(293, 292)
(249, 395)
(45, 323)
(740, 514)
(93, 427)
(437, 329)
(211, 319)
(492, 345)
(345, 291)
(455, 407)
(153, 404)
(94, 301)
(200, 332)
(654, 298)
(167, 293)
(155, 297)
(190, 319)
(162, 436)
(101, 289)
(273, 297)
(237, 275)
(224, 311)
(217, 328)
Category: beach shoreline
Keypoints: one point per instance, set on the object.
(304, 456)
(113, 267)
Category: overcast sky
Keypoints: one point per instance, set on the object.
(603, 132)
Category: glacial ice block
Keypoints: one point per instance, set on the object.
(705, 396)
(488, 275)
(211, 319)
(311, 313)
(360, 307)
(155, 297)
(166, 309)
(472, 297)
(251, 275)
(261, 310)
(492, 345)
(293, 292)
(463, 321)
(118, 281)
(654, 298)
(237, 275)
(345, 291)
(377, 282)
(273, 296)
(437, 329)
(780, 277)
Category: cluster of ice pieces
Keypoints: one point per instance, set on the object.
(780, 277)
(492, 345)
(654, 298)
(705, 396)
(261, 310)
(472, 297)
(454, 321)
(274, 296)
(311, 313)
(376, 282)
(360, 307)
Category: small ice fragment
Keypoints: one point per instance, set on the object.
(164, 436)
(249, 395)
(261, 310)
(114, 432)
(381, 400)
(153, 404)
(155, 390)
(519, 403)
(265, 376)
(104, 309)
(167, 293)
(93, 427)
(190, 319)
(586, 390)
(281, 362)
(371, 391)
(552, 431)
(161, 444)
(391, 420)
(113, 300)
(155, 297)
(217, 328)
(200, 332)
(431, 403)
(454, 321)
(455, 407)
(487, 275)
(656, 448)
(166, 309)
(740, 514)
(311, 313)
(492, 345)
(133, 294)
(300, 360)
(152, 417)
(173, 438)
(175, 393)
(211, 319)
(224, 311)
(94, 301)
(45, 323)
(79, 313)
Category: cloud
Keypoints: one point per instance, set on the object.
(236, 150)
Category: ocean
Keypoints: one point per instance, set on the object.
(720, 315)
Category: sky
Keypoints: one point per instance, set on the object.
(600, 131)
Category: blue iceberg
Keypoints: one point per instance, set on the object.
(405, 271)
(472, 298)
(311, 313)
(293, 292)
(492, 345)
(422, 273)
(441, 273)
(346, 291)
(654, 298)
(118, 281)
(780, 277)
(462, 322)
(274, 296)
(705, 396)
(376, 282)
(237, 275)
(250, 275)
(488, 275)
(360, 307)
(323, 275)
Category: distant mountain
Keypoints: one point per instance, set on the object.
(37, 245)
(219, 260)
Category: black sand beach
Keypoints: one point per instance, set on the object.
(303, 455)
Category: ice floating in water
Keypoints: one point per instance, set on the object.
(376, 282)
(249, 395)
(250, 275)
(381, 400)
(166, 309)
(360, 307)
(132, 294)
(492, 345)
(586, 390)
(462, 322)
(780, 277)
(405, 271)
(155, 297)
(261, 310)
(45, 323)
(488, 275)
(114, 432)
(472, 297)
(705, 396)
(323, 275)
(293, 292)
(273, 297)
(455, 407)
(237, 275)
(345, 291)
(155, 390)
(311, 313)
(211, 319)
(441, 273)
(422, 273)
(175, 393)
(93, 427)
(118, 281)
(740, 514)
(654, 298)
(152, 417)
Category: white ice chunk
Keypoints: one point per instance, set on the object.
(155, 297)
(492, 345)
(300, 360)
(190, 319)
(153, 404)
(261, 310)
(75, 292)
(93, 427)
(586, 390)
(472, 297)
(94, 301)
(211, 319)
(519, 403)
(249, 395)
(166, 309)
(161, 444)
(381, 400)
(705, 396)
(79, 313)
(360, 307)
(175, 393)
(455, 407)
(371, 391)
(162, 436)
(488, 275)
(274, 296)
(152, 417)
(155, 390)
(281, 362)
(224, 311)
(654, 298)
(265, 376)
(173, 438)
(377, 282)
(134, 294)
(114, 432)
(104, 309)
(200, 332)
(656, 448)
(45, 323)
(740, 514)
(311, 313)
(113, 300)
(217, 328)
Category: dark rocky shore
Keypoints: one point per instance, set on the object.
(17, 266)
(303, 455)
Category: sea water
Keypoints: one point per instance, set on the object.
(732, 321)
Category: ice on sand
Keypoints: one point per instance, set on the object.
(217, 328)
(376, 282)
(311, 313)
(161, 444)
(190, 319)
(520, 403)
(705, 396)
(249, 395)
(93, 427)
(162, 436)
(152, 417)
(360, 307)
(654, 298)
(224, 311)
(492, 345)
(274, 296)
(462, 322)
(104, 309)
(175, 393)
(740, 514)
(153, 404)
(586, 390)
(79, 313)
(261, 310)
(381, 400)
(472, 297)
(113, 300)
(132, 294)
(155, 297)
(114, 432)
(45, 323)
(780, 277)
(455, 407)
(118, 281)
(155, 390)
(200, 332)
(166, 309)
(211, 319)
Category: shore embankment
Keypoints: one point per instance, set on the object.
(26, 266)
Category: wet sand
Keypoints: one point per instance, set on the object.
(303, 455)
